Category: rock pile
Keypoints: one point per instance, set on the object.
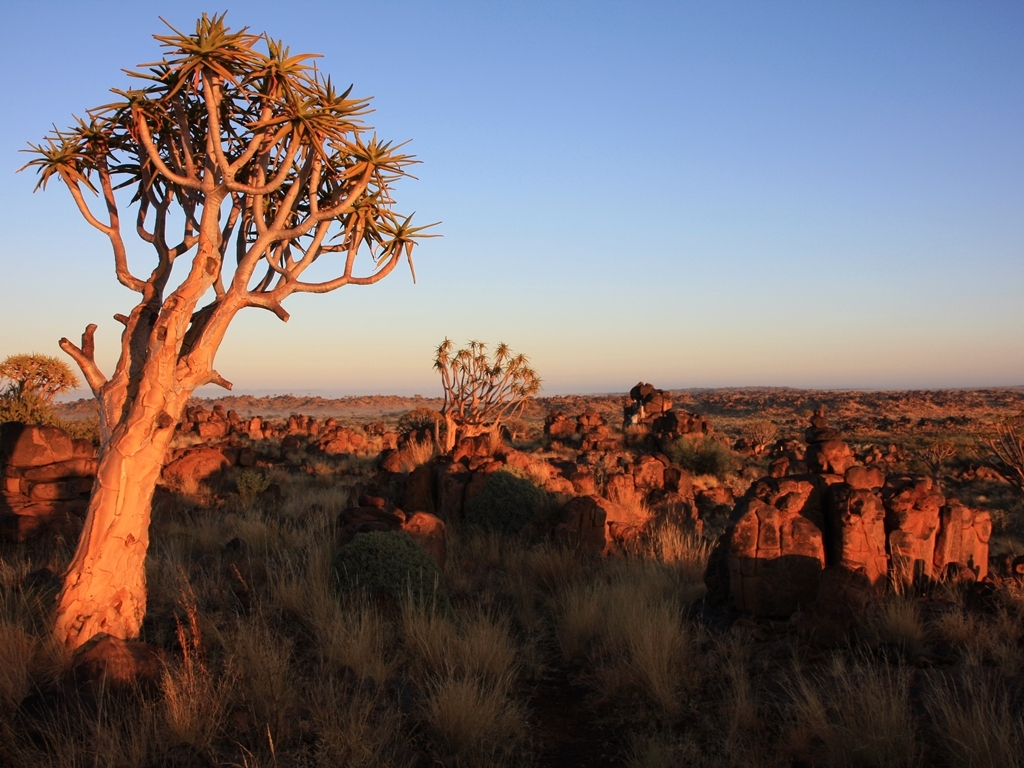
(327, 437)
(839, 529)
(589, 431)
(372, 514)
(48, 477)
(650, 407)
(645, 404)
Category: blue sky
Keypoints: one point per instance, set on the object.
(807, 194)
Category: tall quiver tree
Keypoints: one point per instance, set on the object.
(263, 169)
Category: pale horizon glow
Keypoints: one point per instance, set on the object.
(691, 194)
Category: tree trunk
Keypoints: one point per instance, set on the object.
(105, 585)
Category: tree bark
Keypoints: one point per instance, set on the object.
(105, 586)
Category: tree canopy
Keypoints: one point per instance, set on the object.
(240, 151)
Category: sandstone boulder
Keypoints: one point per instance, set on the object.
(34, 446)
(198, 463)
(774, 548)
(429, 532)
(596, 525)
(963, 538)
(912, 505)
(856, 520)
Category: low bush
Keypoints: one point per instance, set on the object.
(251, 484)
(506, 505)
(703, 456)
(392, 563)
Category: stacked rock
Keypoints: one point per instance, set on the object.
(594, 431)
(336, 440)
(826, 453)
(559, 429)
(650, 407)
(843, 531)
(48, 477)
(644, 404)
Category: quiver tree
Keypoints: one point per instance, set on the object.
(39, 376)
(480, 393)
(1005, 453)
(247, 164)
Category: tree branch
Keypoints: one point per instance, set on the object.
(84, 357)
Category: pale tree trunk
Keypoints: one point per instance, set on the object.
(105, 585)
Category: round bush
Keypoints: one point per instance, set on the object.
(506, 505)
(391, 562)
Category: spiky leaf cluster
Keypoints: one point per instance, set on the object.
(481, 390)
(260, 165)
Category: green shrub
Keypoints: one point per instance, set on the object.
(391, 562)
(251, 484)
(506, 505)
(26, 407)
(29, 408)
(702, 456)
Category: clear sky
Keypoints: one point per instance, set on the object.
(812, 194)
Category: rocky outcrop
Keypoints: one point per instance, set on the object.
(912, 505)
(48, 477)
(774, 552)
(849, 522)
(598, 526)
(962, 539)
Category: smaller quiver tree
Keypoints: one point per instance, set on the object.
(1005, 454)
(28, 386)
(40, 376)
(480, 392)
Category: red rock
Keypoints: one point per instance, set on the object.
(864, 478)
(35, 446)
(620, 489)
(476, 447)
(213, 430)
(775, 549)
(559, 484)
(83, 448)
(678, 480)
(963, 538)
(41, 518)
(831, 456)
(583, 483)
(558, 426)
(429, 532)
(341, 440)
(61, 489)
(452, 480)
(648, 474)
(584, 524)
(857, 519)
(418, 495)
(63, 470)
(107, 662)
(199, 463)
(912, 507)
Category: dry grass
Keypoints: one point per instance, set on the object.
(466, 667)
(855, 715)
(896, 623)
(976, 726)
(628, 625)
